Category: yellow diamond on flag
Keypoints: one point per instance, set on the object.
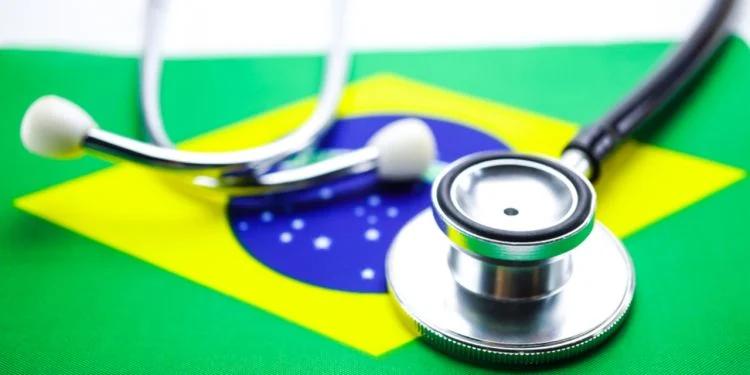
(168, 226)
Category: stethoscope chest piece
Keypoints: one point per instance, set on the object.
(510, 266)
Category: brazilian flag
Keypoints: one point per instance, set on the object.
(112, 269)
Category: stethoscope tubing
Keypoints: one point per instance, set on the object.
(656, 91)
(257, 160)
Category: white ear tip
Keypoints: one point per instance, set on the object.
(55, 127)
(406, 149)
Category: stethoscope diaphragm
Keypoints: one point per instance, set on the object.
(487, 283)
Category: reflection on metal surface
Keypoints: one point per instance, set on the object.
(515, 195)
(579, 314)
(509, 280)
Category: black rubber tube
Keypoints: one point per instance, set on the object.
(599, 139)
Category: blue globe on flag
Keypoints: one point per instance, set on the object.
(336, 236)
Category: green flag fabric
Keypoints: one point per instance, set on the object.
(75, 301)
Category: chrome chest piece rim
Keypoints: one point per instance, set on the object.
(513, 207)
(505, 305)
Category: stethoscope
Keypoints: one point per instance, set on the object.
(508, 266)
(57, 128)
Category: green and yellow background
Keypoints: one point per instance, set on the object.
(83, 290)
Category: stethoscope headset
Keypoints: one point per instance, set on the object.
(517, 270)
(57, 128)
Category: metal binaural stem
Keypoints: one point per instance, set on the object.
(132, 150)
(355, 162)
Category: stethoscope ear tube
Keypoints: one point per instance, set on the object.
(402, 150)
(598, 140)
(261, 159)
